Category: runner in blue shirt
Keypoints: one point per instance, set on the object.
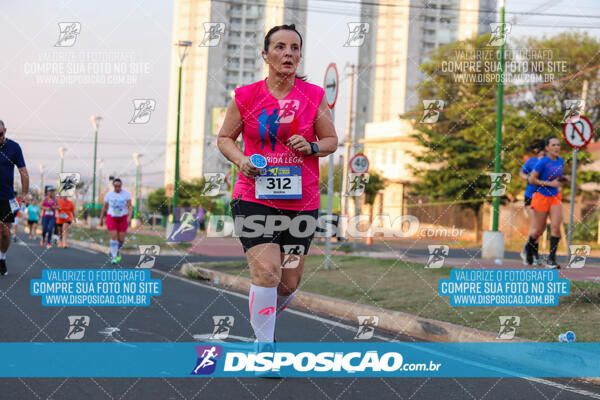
(547, 200)
(536, 147)
(10, 155)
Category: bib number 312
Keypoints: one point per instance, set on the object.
(280, 182)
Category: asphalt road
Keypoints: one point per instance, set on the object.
(182, 314)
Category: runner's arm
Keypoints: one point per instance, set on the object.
(523, 176)
(534, 180)
(24, 182)
(325, 130)
(103, 213)
(230, 130)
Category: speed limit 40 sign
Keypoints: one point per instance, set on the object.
(359, 164)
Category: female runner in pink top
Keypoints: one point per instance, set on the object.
(286, 120)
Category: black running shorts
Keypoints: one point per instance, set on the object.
(250, 220)
(6, 215)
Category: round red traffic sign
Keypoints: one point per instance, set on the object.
(331, 84)
(579, 133)
(359, 164)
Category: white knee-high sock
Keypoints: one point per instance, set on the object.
(284, 301)
(114, 248)
(263, 303)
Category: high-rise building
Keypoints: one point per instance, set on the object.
(228, 37)
(401, 36)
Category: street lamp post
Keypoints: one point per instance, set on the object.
(136, 158)
(96, 123)
(42, 169)
(62, 151)
(183, 45)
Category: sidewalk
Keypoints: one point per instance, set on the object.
(212, 246)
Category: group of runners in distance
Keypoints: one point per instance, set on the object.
(57, 213)
(295, 143)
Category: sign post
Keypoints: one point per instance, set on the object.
(331, 86)
(578, 133)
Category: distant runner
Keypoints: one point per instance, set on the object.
(117, 209)
(64, 218)
(49, 207)
(33, 216)
(538, 148)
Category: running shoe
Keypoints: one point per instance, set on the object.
(49, 245)
(42, 243)
(3, 267)
(552, 264)
(118, 258)
(60, 244)
(523, 255)
(537, 260)
(270, 374)
(114, 261)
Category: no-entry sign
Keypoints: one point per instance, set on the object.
(579, 133)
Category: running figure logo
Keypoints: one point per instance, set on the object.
(77, 325)
(68, 183)
(68, 34)
(292, 252)
(223, 324)
(270, 123)
(207, 359)
(578, 255)
(357, 34)
(431, 111)
(287, 110)
(142, 110)
(508, 326)
(213, 32)
(356, 184)
(437, 255)
(184, 230)
(212, 184)
(366, 326)
(499, 182)
(573, 110)
(148, 254)
(496, 38)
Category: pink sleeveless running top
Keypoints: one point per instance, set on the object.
(268, 123)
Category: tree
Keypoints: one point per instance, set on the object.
(372, 188)
(460, 146)
(158, 202)
(324, 173)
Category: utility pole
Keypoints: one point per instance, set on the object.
(348, 142)
(497, 158)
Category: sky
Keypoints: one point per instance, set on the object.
(43, 114)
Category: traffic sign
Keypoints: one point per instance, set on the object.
(331, 84)
(359, 164)
(579, 133)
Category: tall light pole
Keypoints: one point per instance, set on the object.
(42, 169)
(62, 151)
(136, 158)
(100, 165)
(183, 45)
(497, 159)
(96, 123)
